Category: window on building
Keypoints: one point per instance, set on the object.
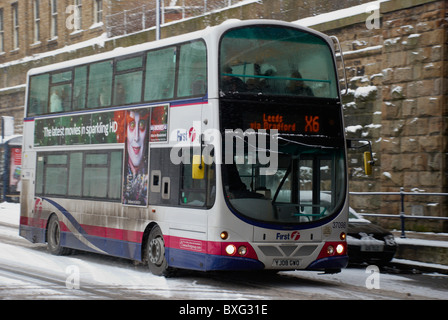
(54, 19)
(98, 11)
(2, 32)
(15, 25)
(36, 20)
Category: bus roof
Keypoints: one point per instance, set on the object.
(201, 34)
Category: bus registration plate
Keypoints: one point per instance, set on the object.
(285, 263)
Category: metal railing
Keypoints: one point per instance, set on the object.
(402, 216)
(144, 17)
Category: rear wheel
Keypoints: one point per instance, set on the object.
(155, 253)
(54, 237)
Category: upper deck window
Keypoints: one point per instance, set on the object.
(192, 79)
(100, 84)
(38, 95)
(175, 72)
(160, 74)
(276, 61)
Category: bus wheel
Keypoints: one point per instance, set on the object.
(54, 237)
(155, 252)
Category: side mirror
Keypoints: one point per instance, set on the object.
(198, 167)
(368, 163)
(368, 157)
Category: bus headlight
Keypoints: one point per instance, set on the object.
(332, 249)
(230, 249)
(339, 249)
(237, 250)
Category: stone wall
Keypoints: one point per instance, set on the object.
(397, 99)
(413, 149)
(11, 104)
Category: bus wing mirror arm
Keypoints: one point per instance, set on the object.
(341, 54)
(368, 155)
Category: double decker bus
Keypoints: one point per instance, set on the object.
(222, 149)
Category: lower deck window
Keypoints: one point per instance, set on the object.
(95, 175)
(197, 192)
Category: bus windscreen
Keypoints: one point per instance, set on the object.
(268, 60)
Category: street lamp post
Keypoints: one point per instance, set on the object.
(158, 19)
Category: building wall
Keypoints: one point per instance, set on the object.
(397, 78)
(66, 32)
(117, 12)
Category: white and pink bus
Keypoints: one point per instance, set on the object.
(222, 149)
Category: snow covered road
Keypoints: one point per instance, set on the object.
(27, 271)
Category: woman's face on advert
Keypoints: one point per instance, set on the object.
(136, 134)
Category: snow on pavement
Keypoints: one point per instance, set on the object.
(110, 274)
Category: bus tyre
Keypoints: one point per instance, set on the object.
(54, 237)
(155, 252)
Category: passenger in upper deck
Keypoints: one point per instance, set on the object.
(298, 87)
(269, 84)
(231, 83)
(55, 100)
(120, 94)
